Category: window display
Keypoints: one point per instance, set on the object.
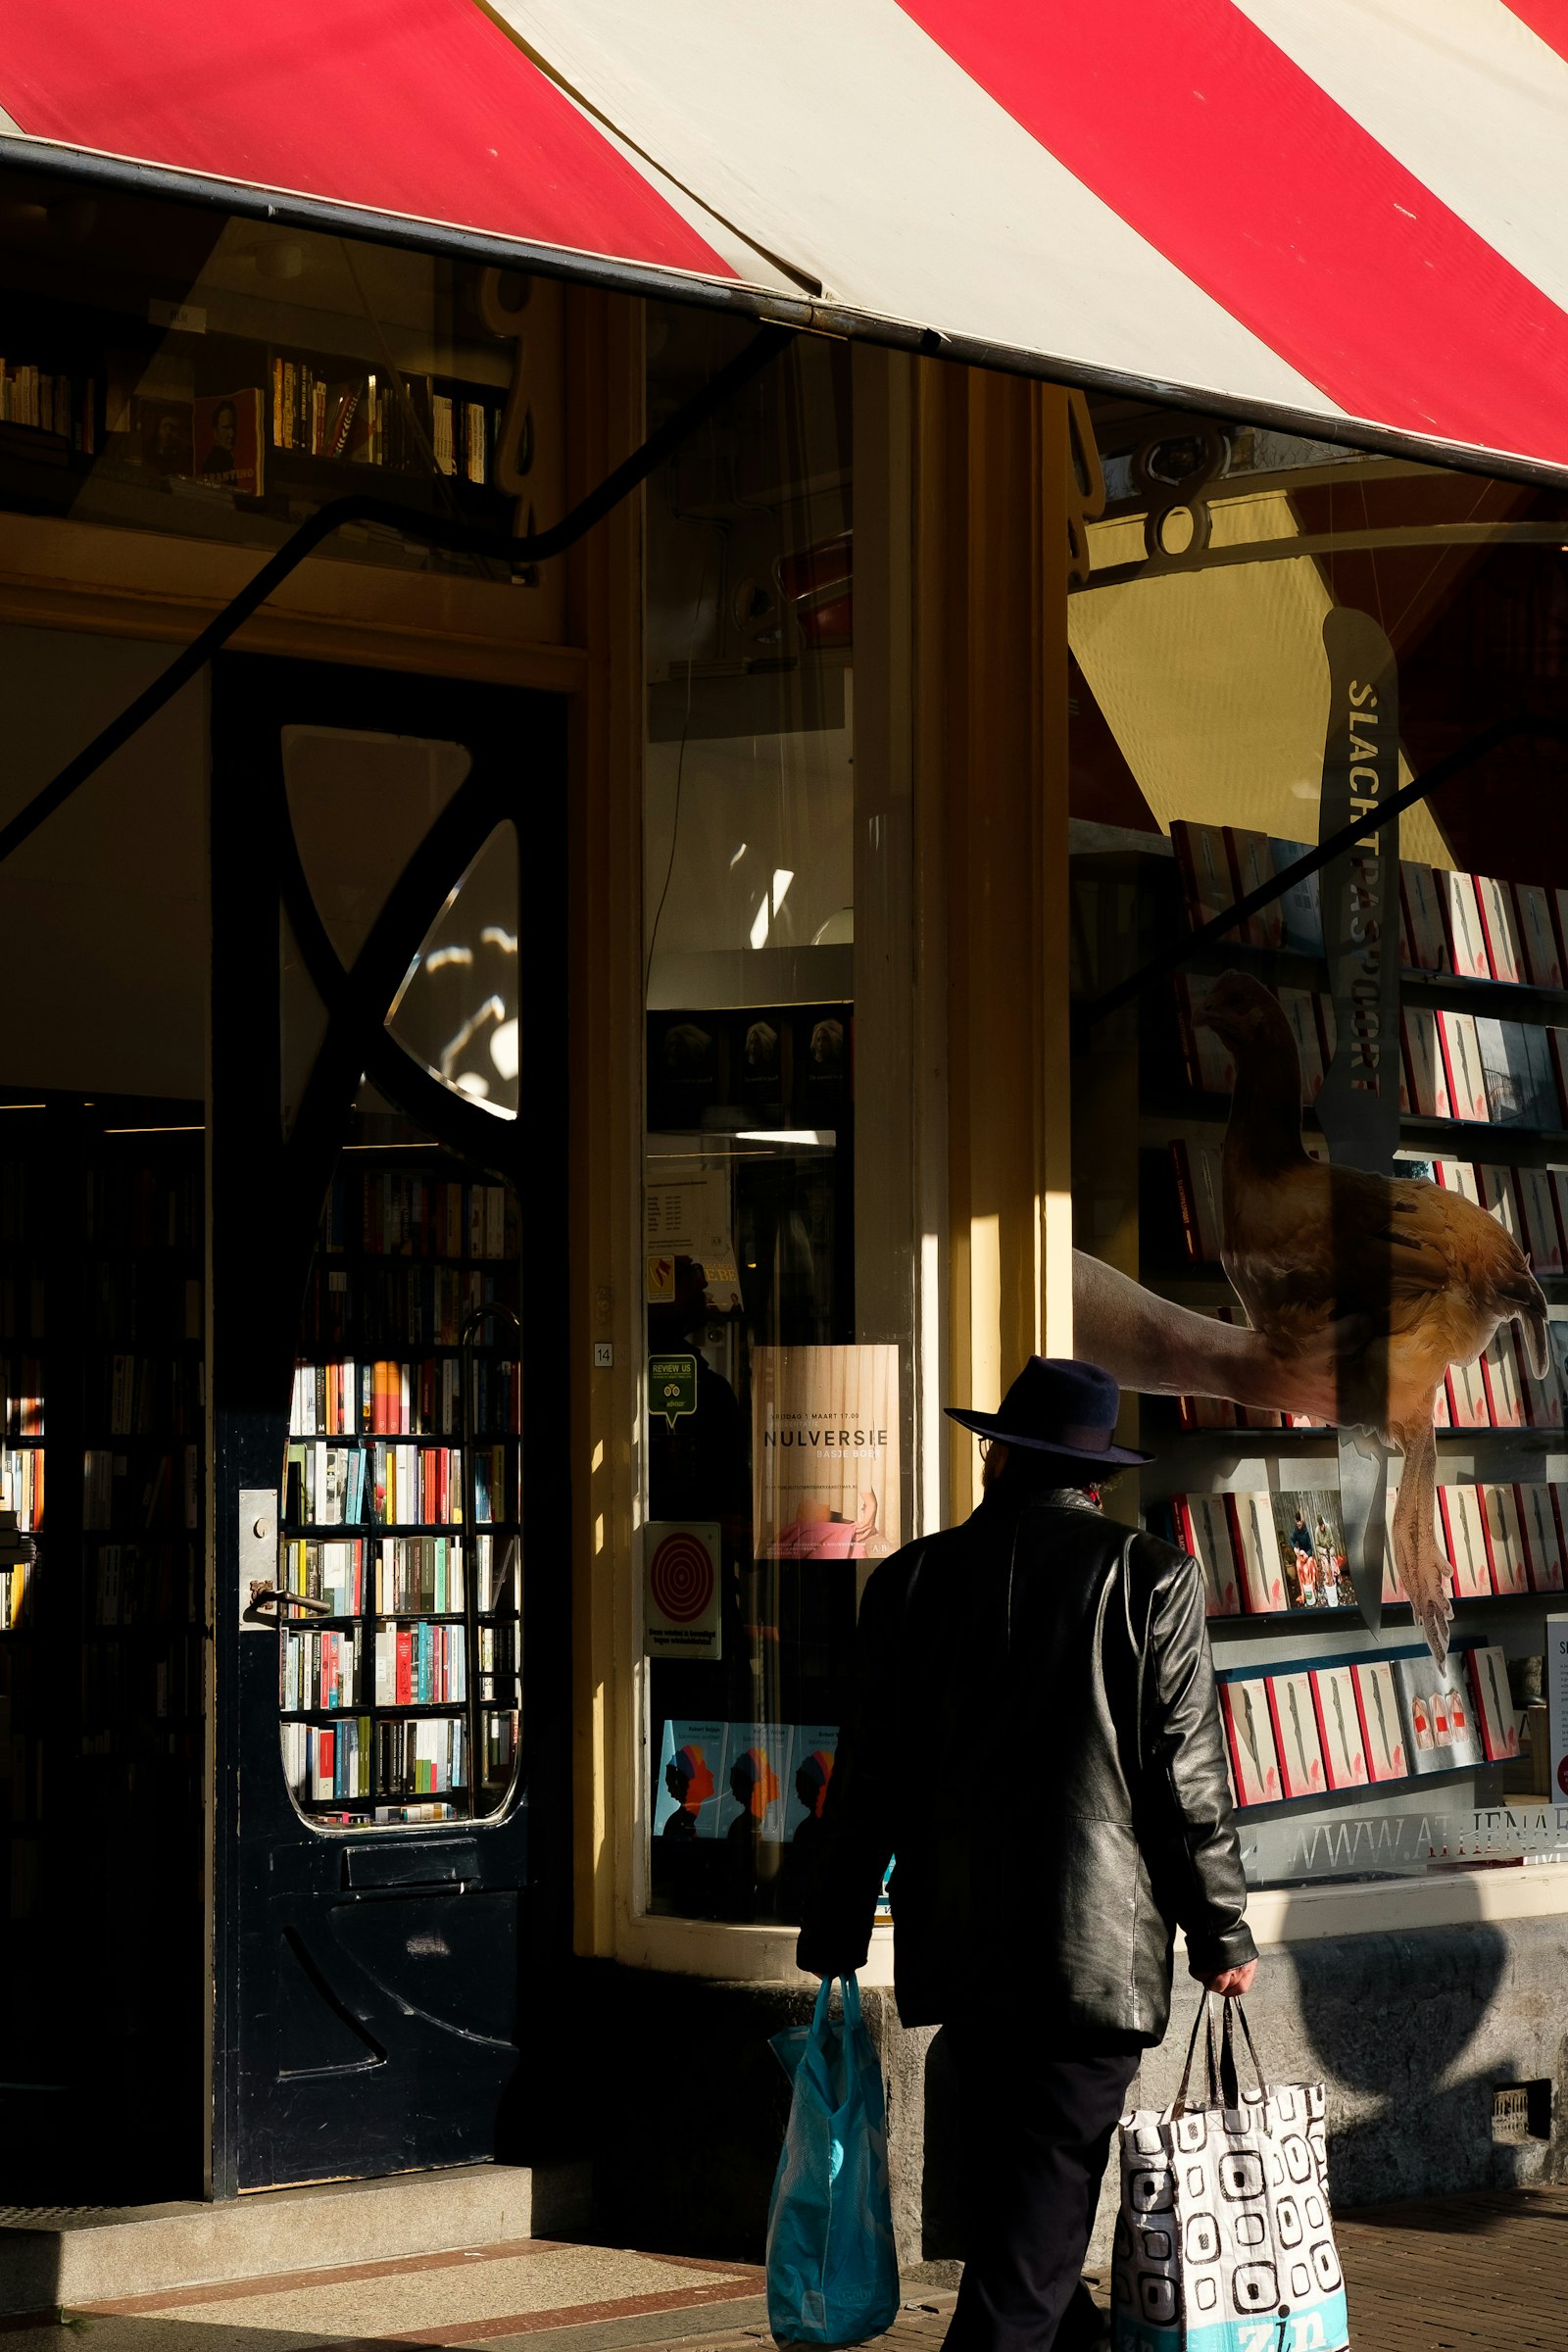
(777, 1457)
(1320, 1099)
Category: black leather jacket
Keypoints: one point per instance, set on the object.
(1034, 1732)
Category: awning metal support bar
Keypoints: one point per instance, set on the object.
(455, 538)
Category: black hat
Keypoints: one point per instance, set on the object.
(1059, 1406)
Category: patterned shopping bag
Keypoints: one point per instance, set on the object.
(1224, 2243)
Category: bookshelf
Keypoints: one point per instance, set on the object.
(1327, 1707)
(400, 1649)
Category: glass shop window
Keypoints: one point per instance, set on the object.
(174, 370)
(1321, 1112)
(777, 1418)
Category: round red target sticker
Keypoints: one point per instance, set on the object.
(683, 1594)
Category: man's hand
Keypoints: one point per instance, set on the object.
(1231, 1982)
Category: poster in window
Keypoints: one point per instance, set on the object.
(227, 443)
(757, 1768)
(691, 1775)
(811, 1760)
(825, 1453)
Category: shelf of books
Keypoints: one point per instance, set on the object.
(399, 1672)
(143, 1412)
(1319, 1710)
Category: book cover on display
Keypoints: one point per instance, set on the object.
(229, 444)
(757, 1777)
(1442, 1721)
(1339, 1725)
(1494, 1703)
(1296, 1735)
(1542, 1537)
(1501, 1201)
(813, 1752)
(1251, 1739)
(1299, 1008)
(1425, 930)
(1300, 907)
(1198, 1197)
(1204, 867)
(1461, 1063)
(1203, 1529)
(1543, 1235)
(825, 1470)
(1257, 1547)
(1500, 1375)
(1251, 862)
(1538, 934)
(691, 1774)
(1422, 1057)
(1465, 1542)
(1210, 1068)
(1382, 1735)
(1500, 930)
(1505, 1543)
(1462, 915)
(1312, 1549)
(1467, 1396)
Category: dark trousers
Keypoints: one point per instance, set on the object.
(1036, 2128)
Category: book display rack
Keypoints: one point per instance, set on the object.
(1319, 1711)
(399, 1661)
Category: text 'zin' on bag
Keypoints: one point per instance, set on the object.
(1224, 2241)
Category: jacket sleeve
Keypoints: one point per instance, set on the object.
(1188, 1786)
(857, 1842)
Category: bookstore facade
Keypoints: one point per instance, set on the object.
(539, 1080)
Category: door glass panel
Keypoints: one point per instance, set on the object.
(400, 1564)
(457, 1010)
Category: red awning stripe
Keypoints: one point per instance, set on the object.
(418, 107)
(1547, 20)
(1208, 140)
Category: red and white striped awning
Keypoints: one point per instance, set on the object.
(1352, 213)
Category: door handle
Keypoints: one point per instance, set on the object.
(267, 1608)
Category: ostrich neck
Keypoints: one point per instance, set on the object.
(1265, 1122)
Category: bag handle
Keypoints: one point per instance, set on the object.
(1205, 2017)
(1228, 2073)
(852, 2004)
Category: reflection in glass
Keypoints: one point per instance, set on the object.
(457, 1010)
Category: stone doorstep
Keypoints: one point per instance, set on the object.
(62, 2256)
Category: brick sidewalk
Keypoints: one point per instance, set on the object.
(1486, 2272)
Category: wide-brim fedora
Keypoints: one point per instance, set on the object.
(1058, 1406)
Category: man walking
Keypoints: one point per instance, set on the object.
(1034, 1734)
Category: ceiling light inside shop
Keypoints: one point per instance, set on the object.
(783, 876)
(1213, 680)
(782, 1135)
(739, 855)
(758, 933)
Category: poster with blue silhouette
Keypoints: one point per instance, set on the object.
(811, 1757)
(691, 1776)
(757, 1764)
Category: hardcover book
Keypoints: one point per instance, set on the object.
(1210, 1066)
(1254, 1759)
(1465, 1535)
(1505, 1548)
(1538, 934)
(1296, 1735)
(1301, 906)
(1443, 1730)
(1338, 1724)
(1425, 931)
(1427, 1078)
(1461, 1063)
(1299, 1008)
(1382, 1735)
(1499, 1374)
(1312, 1549)
(1494, 1703)
(1204, 867)
(1251, 863)
(1461, 909)
(1257, 1547)
(1543, 1236)
(1205, 1529)
(1500, 930)
(1542, 1536)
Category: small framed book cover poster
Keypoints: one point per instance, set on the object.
(1423, 928)
(1203, 1526)
(691, 1771)
(1500, 1725)
(1251, 1739)
(1500, 930)
(1462, 1065)
(1382, 1724)
(1296, 1737)
(1466, 939)
(1338, 1724)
